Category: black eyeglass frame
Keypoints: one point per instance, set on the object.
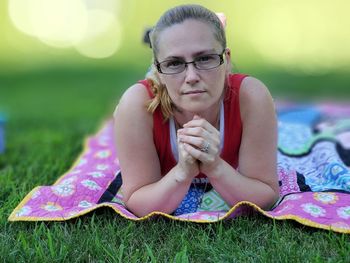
(221, 56)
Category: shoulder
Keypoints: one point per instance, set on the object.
(254, 96)
(133, 101)
(131, 110)
(135, 95)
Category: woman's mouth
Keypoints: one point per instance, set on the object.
(193, 92)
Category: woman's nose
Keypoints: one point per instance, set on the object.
(192, 75)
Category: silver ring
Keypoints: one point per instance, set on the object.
(205, 149)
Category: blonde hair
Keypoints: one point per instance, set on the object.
(171, 17)
(161, 96)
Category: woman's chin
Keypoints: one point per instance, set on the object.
(195, 108)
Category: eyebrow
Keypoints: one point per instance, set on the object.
(207, 51)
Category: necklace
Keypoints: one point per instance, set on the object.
(200, 190)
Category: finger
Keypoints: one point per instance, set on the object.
(198, 142)
(194, 131)
(197, 117)
(198, 154)
(196, 121)
(183, 154)
(201, 123)
(199, 137)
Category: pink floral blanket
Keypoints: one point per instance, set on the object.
(313, 168)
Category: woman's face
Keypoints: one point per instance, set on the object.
(192, 90)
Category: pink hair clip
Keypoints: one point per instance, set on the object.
(222, 18)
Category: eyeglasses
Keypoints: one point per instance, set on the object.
(202, 62)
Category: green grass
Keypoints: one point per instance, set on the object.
(49, 114)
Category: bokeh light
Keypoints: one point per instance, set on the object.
(58, 23)
(102, 37)
(89, 26)
(20, 14)
(304, 36)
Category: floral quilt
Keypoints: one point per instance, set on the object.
(313, 169)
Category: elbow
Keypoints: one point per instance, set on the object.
(271, 199)
(136, 212)
(272, 195)
(131, 205)
(136, 205)
(134, 208)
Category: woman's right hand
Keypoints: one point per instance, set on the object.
(189, 166)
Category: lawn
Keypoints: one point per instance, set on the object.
(49, 114)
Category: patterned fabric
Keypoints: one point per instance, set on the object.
(313, 169)
(191, 201)
(212, 201)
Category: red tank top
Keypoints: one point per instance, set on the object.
(232, 127)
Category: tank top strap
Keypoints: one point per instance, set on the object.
(236, 79)
(148, 87)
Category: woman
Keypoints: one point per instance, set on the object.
(194, 120)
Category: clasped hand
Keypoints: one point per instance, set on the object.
(198, 145)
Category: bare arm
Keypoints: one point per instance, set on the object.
(144, 189)
(256, 178)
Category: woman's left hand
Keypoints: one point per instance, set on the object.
(202, 141)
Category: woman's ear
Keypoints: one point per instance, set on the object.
(228, 60)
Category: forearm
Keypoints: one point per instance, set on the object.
(164, 195)
(235, 187)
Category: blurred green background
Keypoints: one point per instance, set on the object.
(74, 58)
(65, 63)
(308, 36)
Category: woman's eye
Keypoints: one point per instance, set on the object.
(206, 58)
(173, 63)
